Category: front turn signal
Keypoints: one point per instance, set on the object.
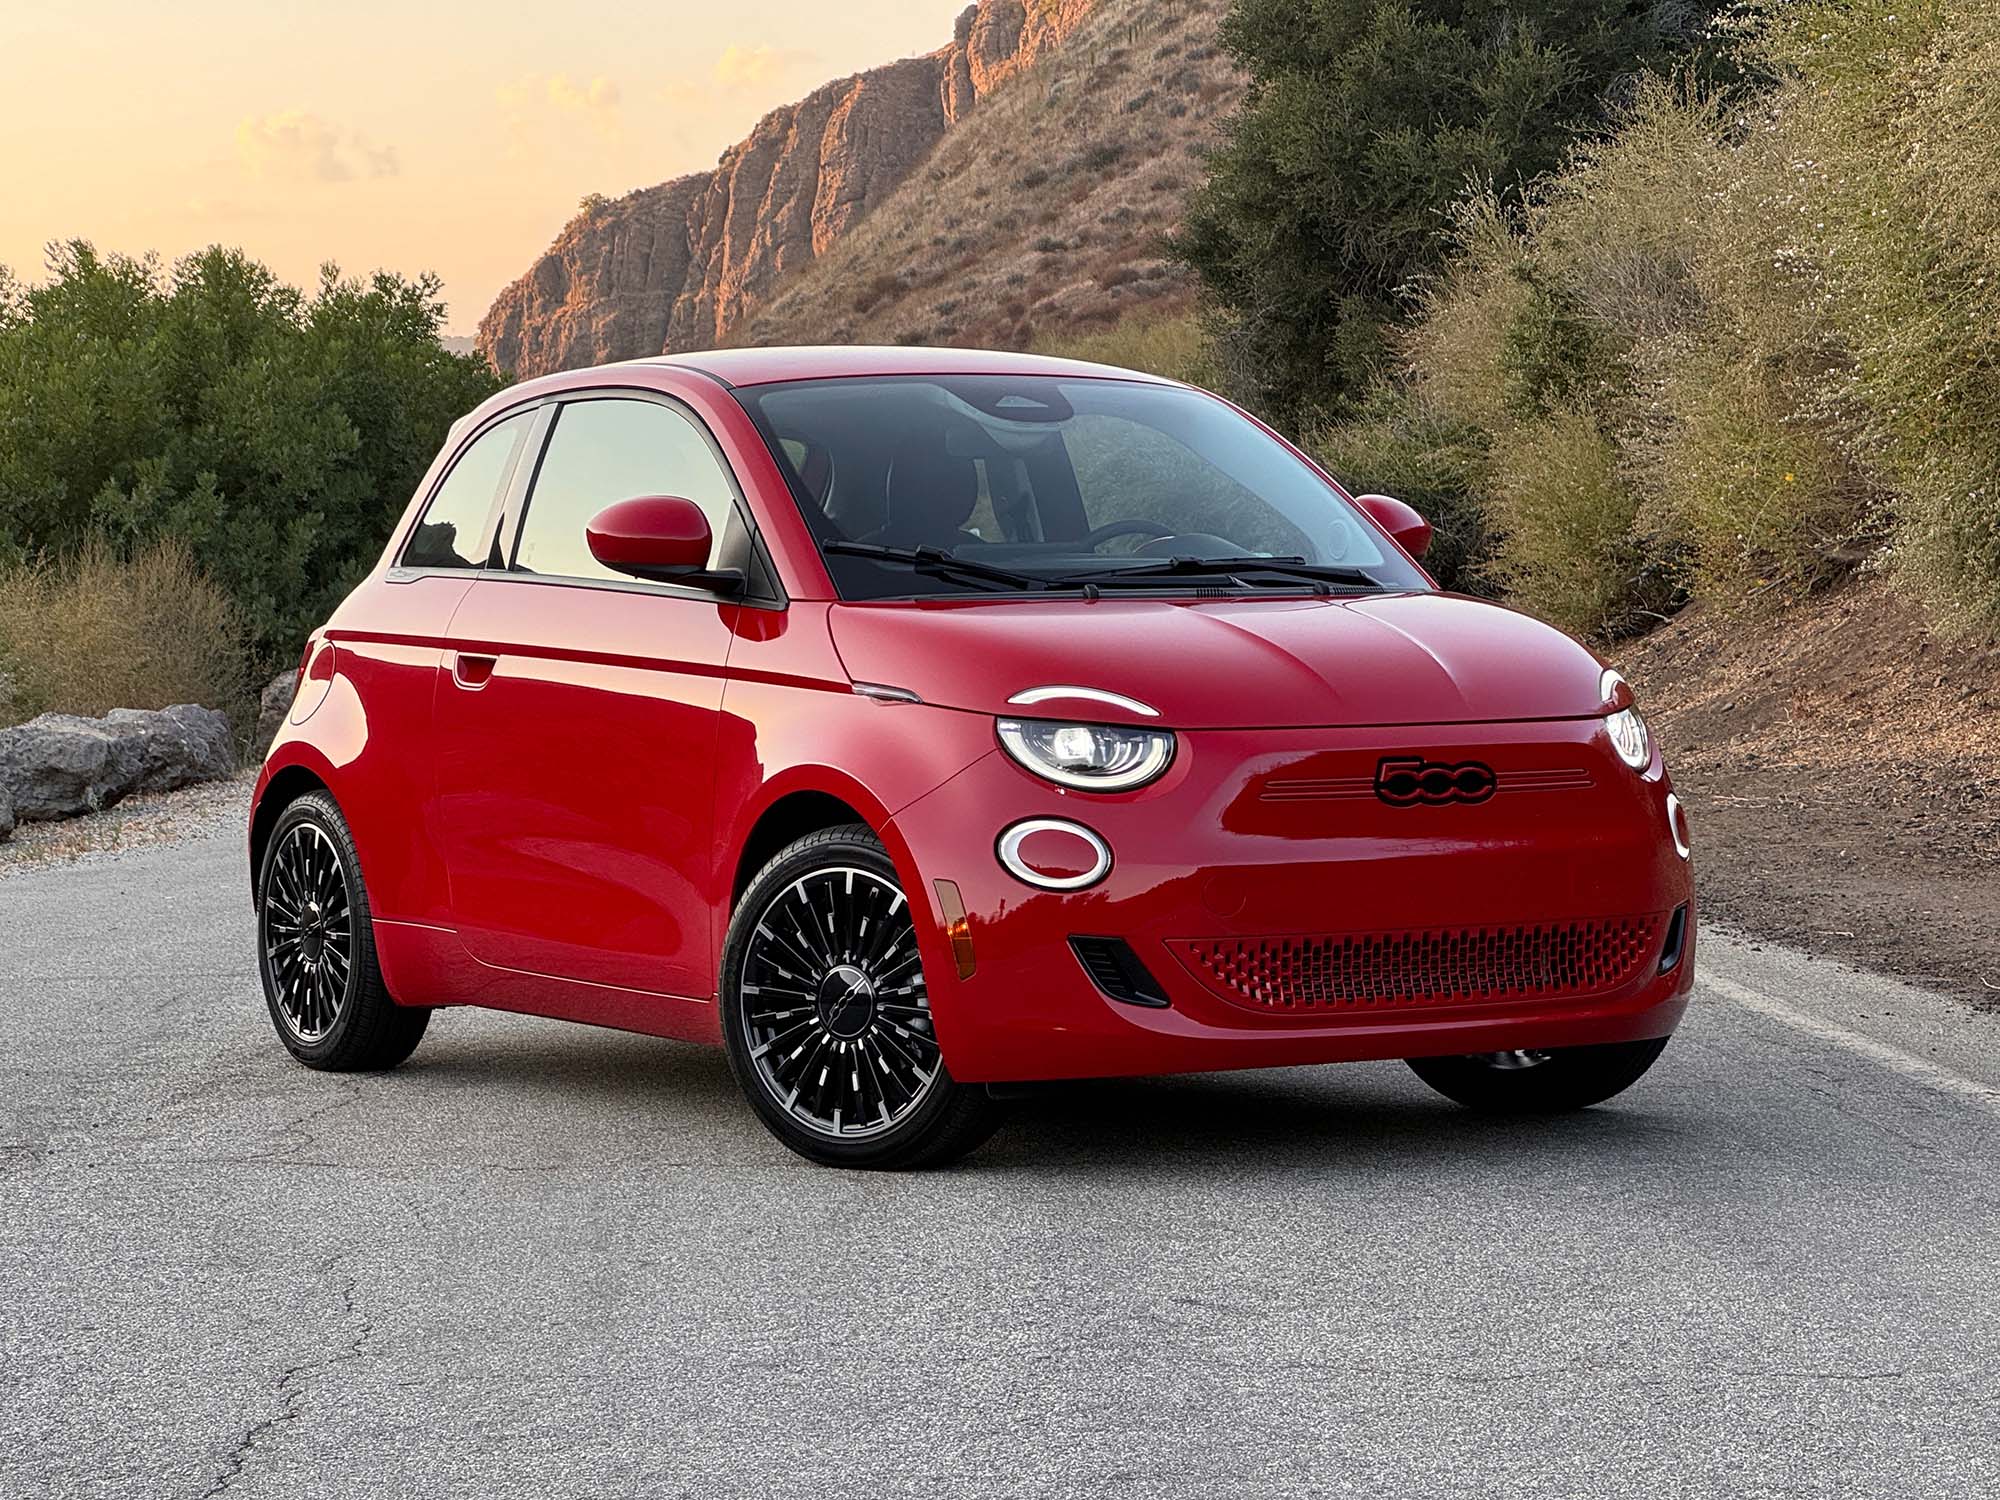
(957, 926)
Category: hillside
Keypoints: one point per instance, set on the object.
(1015, 181)
(1839, 762)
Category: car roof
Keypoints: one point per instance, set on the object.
(831, 361)
(746, 367)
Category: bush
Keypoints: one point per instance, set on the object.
(1783, 316)
(1649, 330)
(278, 435)
(1760, 496)
(1400, 445)
(1570, 552)
(1889, 114)
(1365, 121)
(1169, 345)
(100, 632)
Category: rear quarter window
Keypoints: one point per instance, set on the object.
(451, 533)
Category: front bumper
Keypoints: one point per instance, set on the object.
(1272, 896)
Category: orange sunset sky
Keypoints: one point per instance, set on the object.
(441, 135)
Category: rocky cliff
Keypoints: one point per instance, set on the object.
(679, 265)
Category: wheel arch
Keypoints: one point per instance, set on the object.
(282, 787)
(790, 817)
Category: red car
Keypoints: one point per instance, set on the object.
(921, 723)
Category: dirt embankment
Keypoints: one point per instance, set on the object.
(1842, 767)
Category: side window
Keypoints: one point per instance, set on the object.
(604, 451)
(454, 523)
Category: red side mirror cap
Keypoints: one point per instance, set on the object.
(660, 538)
(1411, 531)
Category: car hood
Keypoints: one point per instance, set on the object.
(1416, 658)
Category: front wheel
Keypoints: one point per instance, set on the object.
(827, 1018)
(1539, 1083)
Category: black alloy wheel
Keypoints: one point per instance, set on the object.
(834, 1003)
(308, 932)
(828, 1017)
(316, 947)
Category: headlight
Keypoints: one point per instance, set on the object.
(1627, 730)
(1090, 757)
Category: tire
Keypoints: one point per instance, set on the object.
(316, 948)
(826, 1016)
(1539, 1083)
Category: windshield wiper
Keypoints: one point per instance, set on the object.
(937, 562)
(1325, 574)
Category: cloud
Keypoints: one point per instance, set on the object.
(299, 147)
(752, 67)
(595, 101)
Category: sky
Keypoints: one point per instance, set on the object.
(454, 136)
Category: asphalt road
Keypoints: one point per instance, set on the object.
(548, 1261)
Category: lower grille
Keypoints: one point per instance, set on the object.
(1441, 966)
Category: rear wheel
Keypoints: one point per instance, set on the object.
(827, 1017)
(316, 948)
(1539, 1083)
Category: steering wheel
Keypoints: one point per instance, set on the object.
(1112, 530)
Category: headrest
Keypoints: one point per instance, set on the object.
(931, 493)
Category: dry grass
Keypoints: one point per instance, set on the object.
(1765, 335)
(1159, 343)
(1040, 215)
(99, 632)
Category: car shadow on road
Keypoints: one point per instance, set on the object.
(1263, 1123)
(1318, 1120)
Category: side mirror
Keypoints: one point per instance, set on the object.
(660, 538)
(1411, 531)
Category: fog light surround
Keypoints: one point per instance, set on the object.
(1053, 854)
(1677, 826)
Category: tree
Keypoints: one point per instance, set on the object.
(278, 435)
(1365, 119)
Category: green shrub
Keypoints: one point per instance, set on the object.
(1739, 344)
(277, 434)
(1760, 495)
(1890, 113)
(100, 632)
(1400, 445)
(1647, 349)
(1569, 550)
(1365, 121)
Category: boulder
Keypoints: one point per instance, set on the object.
(6, 813)
(272, 706)
(181, 745)
(59, 765)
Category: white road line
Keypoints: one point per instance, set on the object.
(1895, 1059)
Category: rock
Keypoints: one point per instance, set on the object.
(675, 267)
(6, 813)
(272, 706)
(59, 765)
(182, 745)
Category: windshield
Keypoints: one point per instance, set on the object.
(990, 483)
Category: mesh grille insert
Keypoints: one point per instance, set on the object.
(1440, 966)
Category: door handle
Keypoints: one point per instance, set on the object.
(472, 672)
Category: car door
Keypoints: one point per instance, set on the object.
(578, 713)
